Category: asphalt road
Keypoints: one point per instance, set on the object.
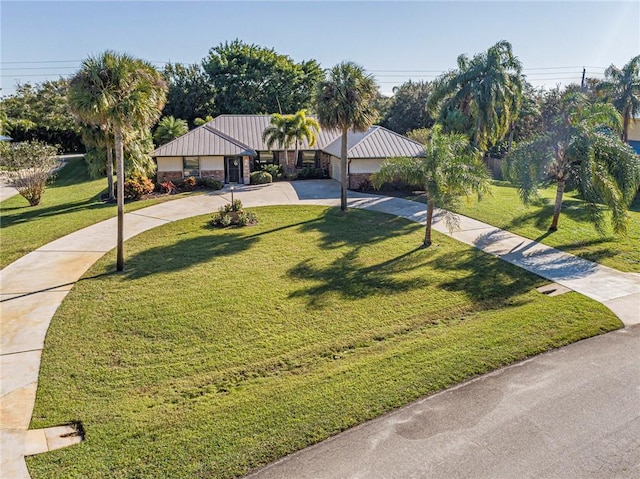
(570, 413)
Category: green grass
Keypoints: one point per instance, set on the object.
(72, 202)
(218, 351)
(576, 235)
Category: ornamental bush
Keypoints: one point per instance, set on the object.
(260, 178)
(137, 186)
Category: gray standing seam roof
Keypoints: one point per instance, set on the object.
(242, 135)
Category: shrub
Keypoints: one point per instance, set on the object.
(136, 187)
(233, 214)
(365, 185)
(167, 187)
(213, 184)
(274, 170)
(260, 178)
(29, 165)
(189, 183)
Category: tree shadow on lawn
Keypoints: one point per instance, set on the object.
(487, 281)
(541, 214)
(203, 248)
(346, 277)
(27, 213)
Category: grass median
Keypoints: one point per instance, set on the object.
(218, 351)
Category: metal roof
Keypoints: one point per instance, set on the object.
(242, 135)
(377, 142)
(248, 130)
(203, 141)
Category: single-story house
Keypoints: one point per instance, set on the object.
(230, 147)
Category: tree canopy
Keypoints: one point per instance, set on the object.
(408, 108)
(482, 97)
(582, 150)
(189, 95)
(40, 112)
(622, 87)
(251, 79)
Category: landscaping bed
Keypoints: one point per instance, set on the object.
(220, 350)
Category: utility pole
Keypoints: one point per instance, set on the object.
(584, 72)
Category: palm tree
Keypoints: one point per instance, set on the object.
(483, 96)
(582, 147)
(169, 128)
(344, 101)
(88, 100)
(122, 94)
(450, 168)
(304, 127)
(279, 132)
(622, 87)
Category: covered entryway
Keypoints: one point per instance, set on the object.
(233, 169)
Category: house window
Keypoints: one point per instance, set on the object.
(308, 159)
(191, 166)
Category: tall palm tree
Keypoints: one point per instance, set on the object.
(582, 147)
(622, 87)
(450, 168)
(279, 132)
(303, 127)
(125, 94)
(483, 96)
(169, 128)
(344, 101)
(88, 99)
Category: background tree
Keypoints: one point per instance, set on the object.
(40, 112)
(29, 165)
(482, 97)
(582, 147)
(450, 169)
(344, 101)
(126, 95)
(622, 87)
(253, 79)
(169, 128)
(407, 110)
(303, 128)
(189, 95)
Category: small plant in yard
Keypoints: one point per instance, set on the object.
(168, 187)
(137, 186)
(213, 184)
(274, 170)
(260, 178)
(29, 166)
(189, 183)
(232, 214)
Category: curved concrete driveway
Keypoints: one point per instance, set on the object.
(32, 288)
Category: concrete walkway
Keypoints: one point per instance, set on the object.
(32, 288)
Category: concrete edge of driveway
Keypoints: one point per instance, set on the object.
(33, 287)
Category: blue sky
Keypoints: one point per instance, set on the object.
(393, 40)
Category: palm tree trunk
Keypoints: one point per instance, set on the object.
(512, 130)
(625, 127)
(110, 172)
(427, 233)
(558, 205)
(119, 144)
(343, 171)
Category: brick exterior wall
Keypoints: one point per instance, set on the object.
(169, 176)
(217, 174)
(355, 179)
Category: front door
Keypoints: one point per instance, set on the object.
(233, 169)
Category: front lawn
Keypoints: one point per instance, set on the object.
(71, 203)
(218, 351)
(575, 235)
